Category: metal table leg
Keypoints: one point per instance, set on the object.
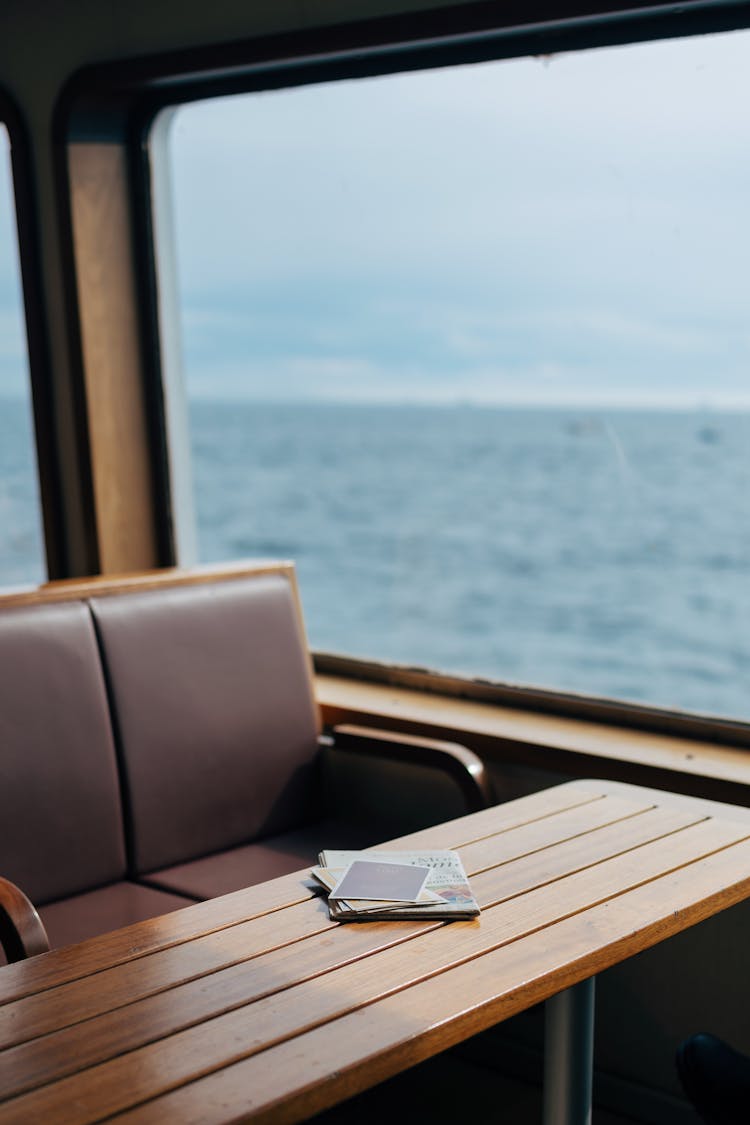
(569, 1055)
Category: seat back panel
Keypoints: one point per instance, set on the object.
(215, 715)
(61, 828)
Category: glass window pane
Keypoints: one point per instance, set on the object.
(472, 347)
(21, 549)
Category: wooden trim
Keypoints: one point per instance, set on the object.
(101, 585)
(118, 426)
(504, 735)
(543, 701)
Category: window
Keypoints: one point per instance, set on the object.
(471, 346)
(21, 551)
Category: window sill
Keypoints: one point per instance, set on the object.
(503, 734)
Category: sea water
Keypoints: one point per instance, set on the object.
(21, 544)
(604, 552)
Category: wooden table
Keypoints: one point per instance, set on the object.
(256, 1007)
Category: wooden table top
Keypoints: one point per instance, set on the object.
(255, 1006)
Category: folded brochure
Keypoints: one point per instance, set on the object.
(445, 893)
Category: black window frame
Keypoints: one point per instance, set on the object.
(37, 342)
(118, 103)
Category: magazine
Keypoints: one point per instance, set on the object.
(445, 893)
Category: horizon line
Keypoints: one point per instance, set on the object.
(717, 406)
(658, 405)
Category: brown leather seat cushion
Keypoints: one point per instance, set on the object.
(254, 863)
(104, 909)
(212, 697)
(61, 825)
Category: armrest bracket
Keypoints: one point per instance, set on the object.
(22, 934)
(464, 767)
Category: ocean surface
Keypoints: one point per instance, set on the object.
(21, 550)
(600, 552)
(604, 552)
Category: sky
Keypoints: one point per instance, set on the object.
(571, 229)
(564, 230)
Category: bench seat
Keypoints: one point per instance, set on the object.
(160, 744)
(82, 916)
(242, 866)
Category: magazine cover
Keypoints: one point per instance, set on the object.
(446, 893)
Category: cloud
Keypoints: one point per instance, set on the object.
(572, 227)
(370, 343)
(515, 363)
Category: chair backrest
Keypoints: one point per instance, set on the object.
(61, 828)
(213, 705)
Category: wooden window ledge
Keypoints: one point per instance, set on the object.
(575, 747)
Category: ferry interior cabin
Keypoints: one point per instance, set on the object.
(374, 459)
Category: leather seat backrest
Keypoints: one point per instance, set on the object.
(216, 722)
(61, 827)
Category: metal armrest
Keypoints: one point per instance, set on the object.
(460, 763)
(21, 931)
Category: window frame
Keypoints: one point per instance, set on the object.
(117, 105)
(46, 449)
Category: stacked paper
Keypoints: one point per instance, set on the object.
(379, 885)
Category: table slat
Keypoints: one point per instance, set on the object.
(243, 1031)
(143, 938)
(290, 1082)
(124, 984)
